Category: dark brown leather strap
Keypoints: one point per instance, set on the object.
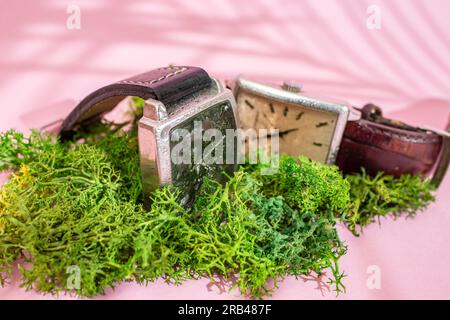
(167, 85)
(380, 144)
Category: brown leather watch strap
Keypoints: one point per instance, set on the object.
(379, 144)
(167, 85)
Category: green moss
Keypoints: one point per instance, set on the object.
(16, 149)
(284, 241)
(383, 196)
(307, 185)
(81, 205)
(66, 207)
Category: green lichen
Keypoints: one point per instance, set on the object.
(16, 148)
(298, 206)
(385, 196)
(81, 204)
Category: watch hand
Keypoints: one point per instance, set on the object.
(281, 133)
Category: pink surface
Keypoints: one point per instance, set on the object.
(325, 45)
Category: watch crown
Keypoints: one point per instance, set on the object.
(291, 86)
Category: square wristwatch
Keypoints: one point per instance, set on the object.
(183, 128)
(307, 125)
(336, 133)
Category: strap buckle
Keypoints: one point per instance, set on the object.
(444, 156)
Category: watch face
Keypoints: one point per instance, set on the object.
(302, 130)
(198, 147)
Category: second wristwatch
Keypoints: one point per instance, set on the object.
(336, 133)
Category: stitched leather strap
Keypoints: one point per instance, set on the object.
(380, 144)
(167, 85)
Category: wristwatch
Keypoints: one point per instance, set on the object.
(181, 103)
(337, 133)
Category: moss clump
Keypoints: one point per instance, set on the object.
(383, 196)
(80, 205)
(71, 206)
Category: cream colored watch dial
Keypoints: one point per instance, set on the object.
(302, 130)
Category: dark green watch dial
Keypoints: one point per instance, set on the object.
(196, 153)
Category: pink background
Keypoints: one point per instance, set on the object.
(325, 45)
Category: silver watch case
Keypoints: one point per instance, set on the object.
(155, 127)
